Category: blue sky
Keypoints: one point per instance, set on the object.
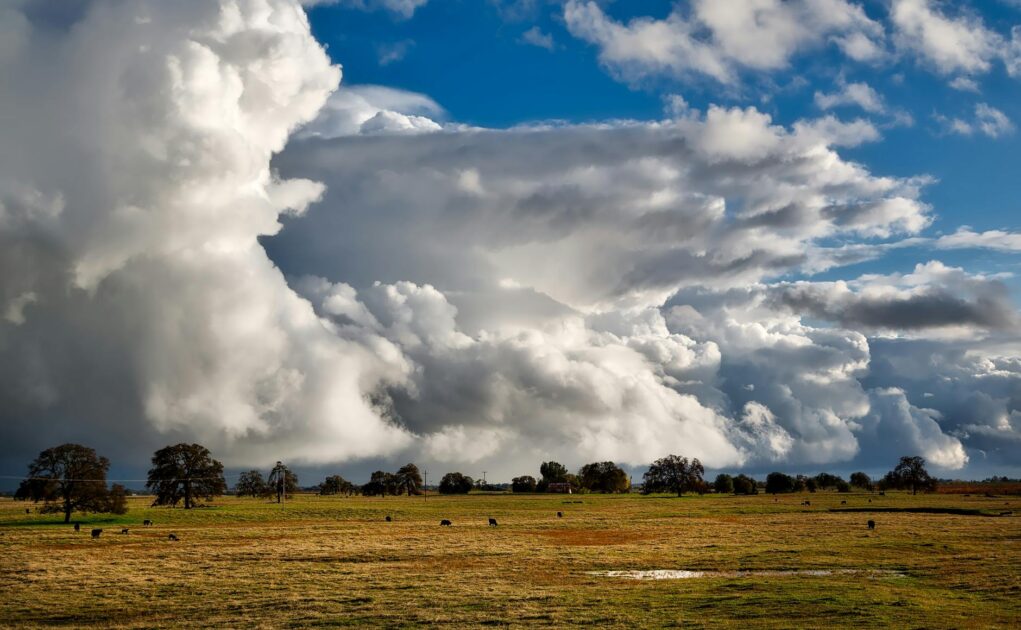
(478, 235)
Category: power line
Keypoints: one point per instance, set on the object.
(116, 480)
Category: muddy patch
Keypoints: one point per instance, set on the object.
(680, 574)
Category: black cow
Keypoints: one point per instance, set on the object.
(147, 522)
(77, 527)
(124, 531)
(388, 519)
(28, 511)
(843, 503)
(560, 515)
(96, 533)
(492, 522)
(445, 523)
(872, 524)
(172, 537)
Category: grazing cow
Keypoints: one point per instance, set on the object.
(172, 537)
(882, 494)
(388, 519)
(124, 531)
(77, 527)
(96, 533)
(492, 522)
(872, 524)
(445, 523)
(1006, 513)
(843, 503)
(870, 500)
(560, 515)
(147, 522)
(806, 503)
(28, 511)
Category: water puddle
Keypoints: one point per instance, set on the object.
(675, 574)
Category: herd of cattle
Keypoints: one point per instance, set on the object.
(98, 531)
(389, 519)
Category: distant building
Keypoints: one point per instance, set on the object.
(559, 486)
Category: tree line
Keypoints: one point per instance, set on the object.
(909, 474)
(72, 478)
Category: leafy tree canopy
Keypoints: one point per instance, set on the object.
(674, 474)
(69, 478)
(524, 483)
(455, 483)
(603, 477)
(910, 474)
(251, 484)
(862, 481)
(409, 479)
(779, 483)
(724, 484)
(185, 472)
(743, 484)
(335, 484)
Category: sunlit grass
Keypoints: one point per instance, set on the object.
(334, 561)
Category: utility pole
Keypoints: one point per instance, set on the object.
(483, 478)
(425, 485)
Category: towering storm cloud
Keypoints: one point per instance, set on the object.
(203, 238)
(139, 304)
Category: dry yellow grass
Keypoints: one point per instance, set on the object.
(334, 561)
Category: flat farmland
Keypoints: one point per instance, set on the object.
(334, 561)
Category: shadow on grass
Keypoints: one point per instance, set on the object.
(922, 510)
(87, 521)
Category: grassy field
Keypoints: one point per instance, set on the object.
(334, 561)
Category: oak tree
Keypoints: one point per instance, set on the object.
(185, 472)
(68, 478)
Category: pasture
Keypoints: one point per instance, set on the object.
(334, 561)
